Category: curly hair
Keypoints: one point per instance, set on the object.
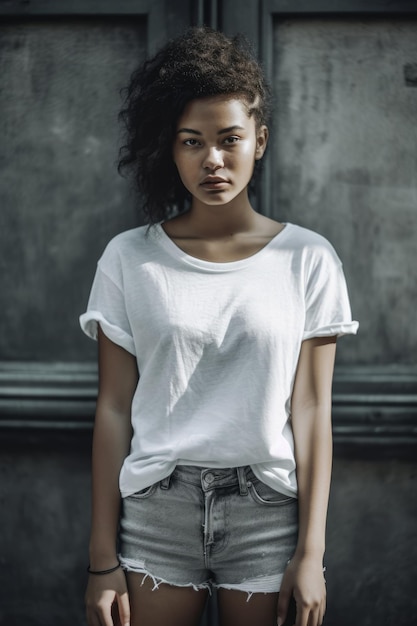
(200, 63)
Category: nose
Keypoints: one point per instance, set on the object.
(213, 159)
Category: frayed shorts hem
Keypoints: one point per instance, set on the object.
(132, 566)
(264, 584)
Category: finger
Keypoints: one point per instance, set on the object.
(302, 615)
(124, 609)
(105, 616)
(322, 611)
(313, 619)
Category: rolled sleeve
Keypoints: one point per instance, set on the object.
(106, 306)
(328, 309)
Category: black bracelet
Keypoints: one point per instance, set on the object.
(102, 572)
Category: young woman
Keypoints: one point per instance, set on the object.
(217, 331)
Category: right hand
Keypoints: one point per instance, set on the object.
(106, 597)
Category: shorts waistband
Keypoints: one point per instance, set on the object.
(209, 478)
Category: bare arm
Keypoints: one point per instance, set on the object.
(311, 423)
(118, 378)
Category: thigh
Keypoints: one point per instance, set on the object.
(166, 605)
(237, 608)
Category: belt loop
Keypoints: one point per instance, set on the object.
(165, 482)
(243, 487)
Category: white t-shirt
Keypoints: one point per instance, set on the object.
(217, 346)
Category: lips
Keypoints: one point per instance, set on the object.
(214, 182)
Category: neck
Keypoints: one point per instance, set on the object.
(222, 221)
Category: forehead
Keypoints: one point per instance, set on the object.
(216, 110)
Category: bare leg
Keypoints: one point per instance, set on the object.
(235, 610)
(166, 606)
(261, 609)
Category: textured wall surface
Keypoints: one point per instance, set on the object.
(44, 502)
(372, 544)
(345, 152)
(344, 163)
(60, 195)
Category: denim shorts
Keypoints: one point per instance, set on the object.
(205, 527)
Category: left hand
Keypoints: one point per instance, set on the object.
(303, 579)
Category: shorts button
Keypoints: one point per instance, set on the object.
(209, 478)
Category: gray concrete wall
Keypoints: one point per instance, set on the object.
(60, 195)
(342, 161)
(44, 504)
(372, 538)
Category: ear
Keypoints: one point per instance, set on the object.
(262, 135)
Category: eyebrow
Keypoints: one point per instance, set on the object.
(220, 132)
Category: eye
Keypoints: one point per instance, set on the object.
(191, 142)
(232, 139)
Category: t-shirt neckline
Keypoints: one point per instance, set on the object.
(175, 251)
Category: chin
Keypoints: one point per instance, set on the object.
(217, 199)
